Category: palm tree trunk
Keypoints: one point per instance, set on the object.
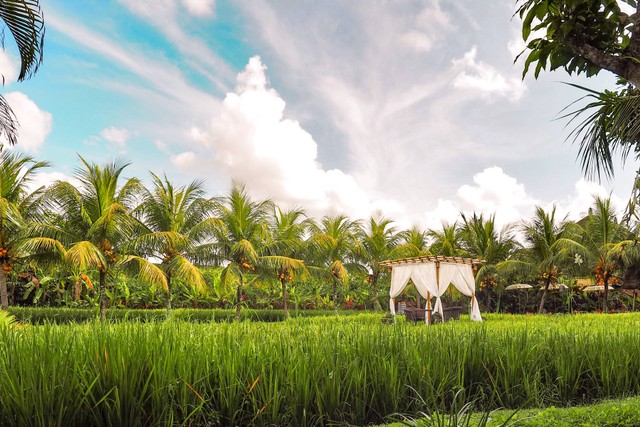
(285, 297)
(4, 298)
(168, 295)
(238, 300)
(335, 296)
(76, 290)
(374, 288)
(544, 296)
(104, 298)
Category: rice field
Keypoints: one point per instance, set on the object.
(308, 371)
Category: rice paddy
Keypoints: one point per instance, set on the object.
(308, 371)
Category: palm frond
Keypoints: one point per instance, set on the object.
(611, 126)
(85, 255)
(146, 271)
(187, 273)
(25, 20)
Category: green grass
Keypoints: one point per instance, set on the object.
(308, 371)
(610, 413)
(41, 315)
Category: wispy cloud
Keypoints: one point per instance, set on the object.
(159, 74)
(164, 16)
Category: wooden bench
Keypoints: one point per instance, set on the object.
(413, 314)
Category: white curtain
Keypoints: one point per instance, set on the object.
(447, 272)
(424, 277)
(465, 283)
(400, 275)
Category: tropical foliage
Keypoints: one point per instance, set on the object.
(25, 22)
(165, 245)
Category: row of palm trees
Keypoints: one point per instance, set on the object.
(164, 234)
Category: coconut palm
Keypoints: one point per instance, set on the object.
(412, 243)
(25, 21)
(332, 245)
(481, 239)
(240, 236)
(604, 240)
(178, 221)
(284, 247)
(550, 244)
(96, 226)
(17, 207)
(378, 241)
(447, 242)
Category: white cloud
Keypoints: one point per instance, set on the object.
(158, 73)
(44, 179)
(9, 66)
(274, 156)
(117, 137)
(493, 192)
(35, 124)
(184, 160)
(200, 7)
(163, 14)
(430, 26)
(576, 205)
(480, 77)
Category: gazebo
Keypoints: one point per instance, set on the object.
(432, 274)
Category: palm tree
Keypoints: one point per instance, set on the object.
(284, 247)
(412, 243)
(240, 236)
(332, 247)
(96, 226)
(178, 221)
(549, 245)
(447, 242)
(377, 242)
(604, 240)
(481, 239)
(26, 23)
(17, 207)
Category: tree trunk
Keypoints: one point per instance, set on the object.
(335, 296)
(168, 295)
(104, 298)
(544, 295)
(76, 290)
(238, 300)
(606, 294)
(4, 298)
(374, 288)
(285, 297)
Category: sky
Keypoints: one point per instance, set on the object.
(415, 109)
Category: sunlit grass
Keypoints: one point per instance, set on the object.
(308, 371)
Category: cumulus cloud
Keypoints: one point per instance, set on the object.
(35, 124)
(482, 78)
(273, 155)
(495, 192)
(117, 137)
(577, 204)
(200, 8)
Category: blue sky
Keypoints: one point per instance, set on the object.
(414, 108)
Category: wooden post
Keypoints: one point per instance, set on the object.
(437, 284)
